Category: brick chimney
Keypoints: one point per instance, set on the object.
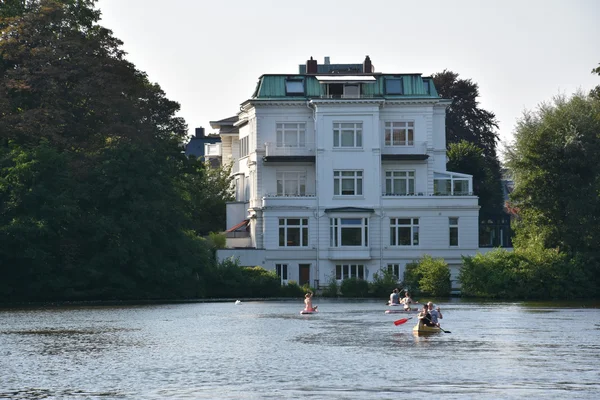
(311, 66)
(199, 133)
(367, 66)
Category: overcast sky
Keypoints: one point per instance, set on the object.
(208, 55)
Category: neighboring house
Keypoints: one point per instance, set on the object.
(340, 171)
(202, 146)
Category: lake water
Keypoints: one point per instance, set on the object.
(267, 350)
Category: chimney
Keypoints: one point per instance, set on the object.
(367, 66)
(311, 66)
(326, 61)
(200, 132)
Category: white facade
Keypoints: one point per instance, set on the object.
(339, 187)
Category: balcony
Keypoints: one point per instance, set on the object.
(304, 152)
(301, 200)
(349, 253)
(212, 150)
(418, 149)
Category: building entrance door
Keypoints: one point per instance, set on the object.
(304, 274)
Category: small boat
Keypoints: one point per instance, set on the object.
(401, 311)
(422, 328)
(308, 312)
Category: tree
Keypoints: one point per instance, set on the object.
(557, 177)
(466, 121)
(97, 200)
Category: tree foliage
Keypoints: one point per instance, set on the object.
(97, 200)
(466, 121)
(428, 276)
(557, 176)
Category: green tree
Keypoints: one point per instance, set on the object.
(557, 177)
(428, 276)
(97, 200)
(466, 121)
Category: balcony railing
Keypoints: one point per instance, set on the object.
(289, 195)
(278, 149)
(212, 150)
(410, 147)
(425, 194)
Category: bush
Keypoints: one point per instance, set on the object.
(332, 289)
(383, 283)
(428, 276)
(530, 273)
(292, 289)
(354, 287)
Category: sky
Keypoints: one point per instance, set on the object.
(208, 55)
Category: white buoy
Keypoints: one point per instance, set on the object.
(237, 302)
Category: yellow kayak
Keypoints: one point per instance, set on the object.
(422, 328)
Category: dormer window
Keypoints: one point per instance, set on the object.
(426, 87)
(343, 90)
(394, 86)
(294, 87)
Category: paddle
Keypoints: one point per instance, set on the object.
(401, 321)
(444, 330)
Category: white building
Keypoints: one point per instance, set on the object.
(341, 171)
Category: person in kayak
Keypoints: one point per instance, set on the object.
(407, 301)
(435, 314)
(425, 317)
(394, 297)
(308, 302)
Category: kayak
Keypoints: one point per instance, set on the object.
(308, 312)
(421, 328)
(401, 311)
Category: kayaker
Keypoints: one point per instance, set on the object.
(407, 301)
(435, 314)
(395, 297)
(308, 302)
(425, 317)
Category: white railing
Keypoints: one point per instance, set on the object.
(425, 194)
(409, 148)
(271, 195)
(212, 150)
(275, 149)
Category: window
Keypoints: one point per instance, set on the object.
(291, 134)
(450, 185)
(399, 133)
(347, 183)
(291, 183)
(394, 269)
(282, 272)
(400, 183)
(426, 86)
(453, 224)
(349, 232)
(293, 232)
(343, 90)
(294, 86)
(347, 134)
(404, 231)
(345, 271)
(394, 86)
(244, 146)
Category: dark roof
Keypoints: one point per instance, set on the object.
(405, 157)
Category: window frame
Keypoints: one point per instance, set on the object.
(398, 225)
(394, 268)
(287, 225)
(453, 230)
(290, 176)
(338, 135)
(346, 271)
(408, 180)
(283, 129)
(341, 176)
(282, 272)
(342, 229)
(244, 146)
(290, 83)
(389, 129)
(399, 91)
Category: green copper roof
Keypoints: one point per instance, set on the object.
(413, 85)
